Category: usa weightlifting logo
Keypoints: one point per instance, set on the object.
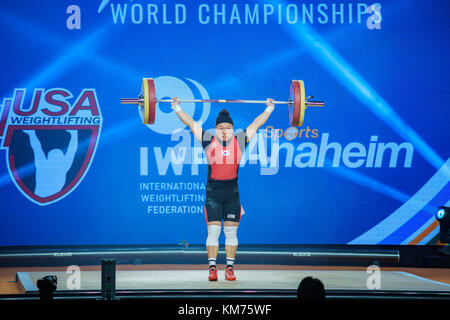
(50, 145)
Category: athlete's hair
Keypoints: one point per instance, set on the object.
(224, 116)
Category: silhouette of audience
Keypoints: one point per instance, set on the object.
(311, 289)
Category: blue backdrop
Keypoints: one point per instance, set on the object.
(79, 168)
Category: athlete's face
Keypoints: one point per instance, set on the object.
(224, 131)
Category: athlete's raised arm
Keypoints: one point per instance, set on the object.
(39, 154)
(260, 120)
(187, 119)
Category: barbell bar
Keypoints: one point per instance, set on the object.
(297, 102)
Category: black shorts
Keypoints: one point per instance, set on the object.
(222, 202)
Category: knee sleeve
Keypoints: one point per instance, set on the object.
(213, 236)
(230, 235)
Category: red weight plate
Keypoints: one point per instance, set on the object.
(151, 94)
(294, 107)
(297, 107)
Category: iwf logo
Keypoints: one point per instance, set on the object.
(50, 144)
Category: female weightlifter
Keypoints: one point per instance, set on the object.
(223, 151)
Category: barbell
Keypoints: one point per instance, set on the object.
(297, 102)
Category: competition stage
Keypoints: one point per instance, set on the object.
(263, 273)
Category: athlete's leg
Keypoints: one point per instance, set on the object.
(213, 216)
(212, 242)
(231, 219)
(231, 241)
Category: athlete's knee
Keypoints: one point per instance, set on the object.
(230, 235)
(213, 235)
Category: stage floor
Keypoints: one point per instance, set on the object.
(273, 279)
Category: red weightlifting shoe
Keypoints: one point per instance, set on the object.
(212, 273)
(229, 274)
